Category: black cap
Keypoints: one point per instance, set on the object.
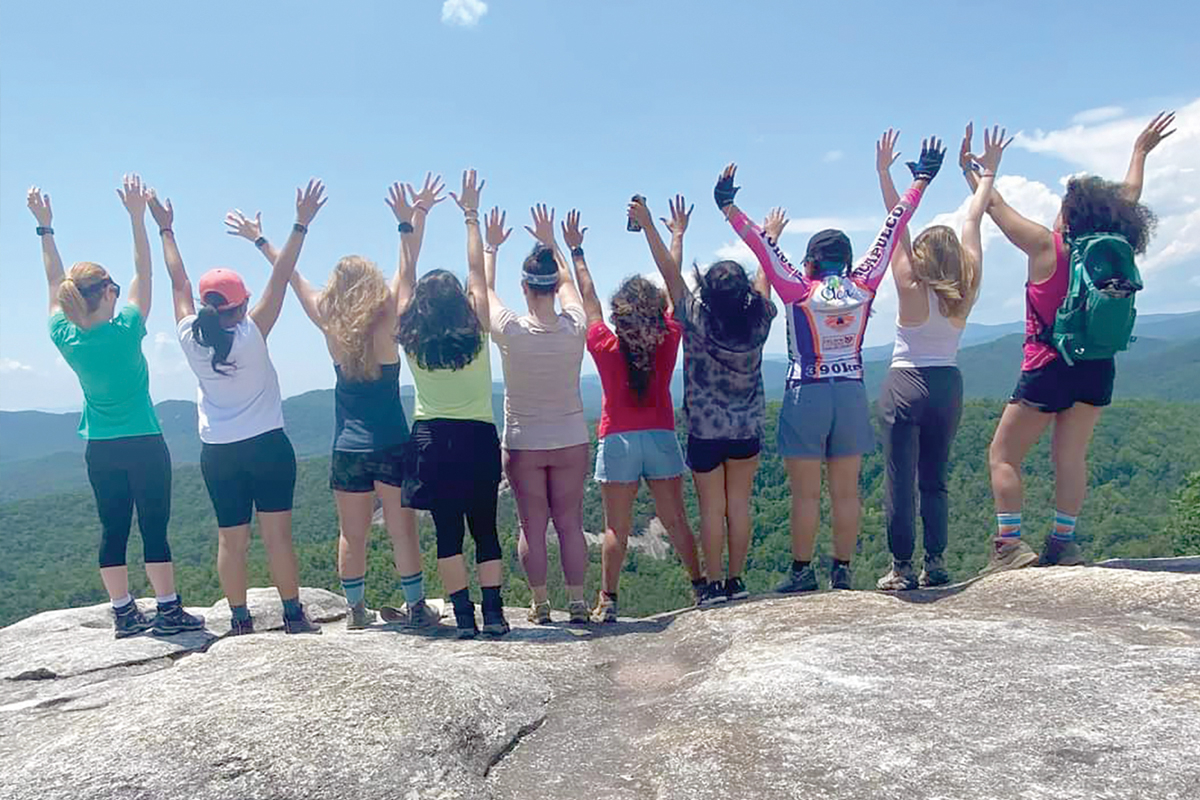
(829, 245)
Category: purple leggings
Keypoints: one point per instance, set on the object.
(549, 484)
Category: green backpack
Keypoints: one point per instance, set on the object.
(1095, 320)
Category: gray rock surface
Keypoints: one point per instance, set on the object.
(1054, 683)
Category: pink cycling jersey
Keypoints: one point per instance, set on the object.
(828, 316)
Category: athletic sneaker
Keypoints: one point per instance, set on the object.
(300, 624)
(605, 610)
(578, 610)
(1057, 553)
(172, 619)
(839, 576)
(901, 578)
(494, 623)
(241, 627)
(934, 573)
(713, 593)
(360, 617)
(129, 621)
(804, 580)
(1011, 553)
(539, 613)
(422, 615)
(699, 591)
(735, 589)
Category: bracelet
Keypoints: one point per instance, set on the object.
(987, 174)
(421, 208)
(491, 250)
(42, 230)
(405, 227)
(165, 231)
(577, 251)
(298, 228)
(260, 242)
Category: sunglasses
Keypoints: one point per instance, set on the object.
(98, 288)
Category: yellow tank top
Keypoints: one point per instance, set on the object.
(454, 393)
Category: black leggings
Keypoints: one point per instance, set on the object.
(920, 410)
(480, 514)
(134, 471)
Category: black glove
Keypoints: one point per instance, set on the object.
(927, 166)
(724, 192)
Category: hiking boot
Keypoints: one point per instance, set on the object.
(172, 619)
(422, 615)
(578, 610)
(494, 623)
(803, 580)
(539, 613)
(129, 621)
(934, 573)
(360, 617)
(1057, 553)
(735, 589)
(901, 578)
(839, 576)
(1011, 553)
(241, 627)
(713, 593)
(300, 624)
(464, 619)
(699, 591)
(605, 610)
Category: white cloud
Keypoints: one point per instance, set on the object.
(8, 365)
(1032, 199)
(811, 225)
(1096, 115)
(465, 13)
(832, 156)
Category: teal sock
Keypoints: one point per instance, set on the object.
(1064, 527)
(355, 589)
(414, 588)
(1008, 525)
(239, 612)
(292, 608)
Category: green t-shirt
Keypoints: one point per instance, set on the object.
(454, 393)
(112, 373)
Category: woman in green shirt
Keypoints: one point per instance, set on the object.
(127, 459)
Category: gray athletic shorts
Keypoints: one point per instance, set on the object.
(828, 419)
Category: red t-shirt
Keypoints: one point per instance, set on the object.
(621, 411)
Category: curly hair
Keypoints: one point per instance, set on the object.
(439, 329)
(351, 304)
(1094, 205)
(940, 262)
(735, 309)
(639, 316)
(540, 261)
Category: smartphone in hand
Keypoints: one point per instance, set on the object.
(631, 224)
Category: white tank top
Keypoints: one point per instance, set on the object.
(934, 343)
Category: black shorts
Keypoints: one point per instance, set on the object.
(256, 473)
(1058, 386)
(450, 461)
(351, 471)
(705, 455)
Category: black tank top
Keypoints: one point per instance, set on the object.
(368, 415)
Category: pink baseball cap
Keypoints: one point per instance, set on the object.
(226, 283)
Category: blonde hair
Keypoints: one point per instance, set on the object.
(77, 305)
(349, 306)
(940, 262)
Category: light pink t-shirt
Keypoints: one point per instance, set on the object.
(542, 406)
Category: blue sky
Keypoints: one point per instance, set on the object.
(570, 103)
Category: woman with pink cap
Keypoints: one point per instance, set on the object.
(247, 460)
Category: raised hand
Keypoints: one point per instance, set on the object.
(725, 191)
(133, 194)
(775, 222)
(1154, 133)
(927, 166)
(495, 234)
(241, 225)
(468, 200)
(572, 233)
(39, 206)
(309, 201)
(966, 160)
(993, 149)
(639, 213)
(543, 224)
(884, 155)
(678, 222)
(430, 194)
(397, 201)
(163, 215)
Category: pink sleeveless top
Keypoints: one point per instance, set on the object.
(1041, 304)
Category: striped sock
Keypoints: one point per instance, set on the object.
(1064, 527)
(355, 589)
(1008, 525)
(414, 588)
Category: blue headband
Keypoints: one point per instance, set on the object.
(541, 280)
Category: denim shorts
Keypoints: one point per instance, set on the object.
(825, 419)
(630, 456)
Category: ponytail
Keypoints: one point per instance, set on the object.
(77, 295)
(209, 331)
(941, 263)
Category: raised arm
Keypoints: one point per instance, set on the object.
(411, 240)
(1147, 140)
(251, 230)
(885, 156)
(791, 284)
(134, 196)
(667, 265)
(993, 150)
(266, 311)
(573, 237)
(568, 292)
(496, 235)
(468, 201)
(181, 288)
(773, 227)
(39, 206)
(1034, 240)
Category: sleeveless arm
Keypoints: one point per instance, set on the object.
(872, 267)
(790, 283)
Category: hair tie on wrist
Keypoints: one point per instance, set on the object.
(42, 230)
(165, 231)
(421, 208)
(490, 249)
(577, 251)
(260, 241)
(405, 227)
(298, 228)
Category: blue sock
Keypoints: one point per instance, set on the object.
(1008, 525)
(1064, 527)
(239, 613)
(414, 588)
(292, 608)
(355, 589)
